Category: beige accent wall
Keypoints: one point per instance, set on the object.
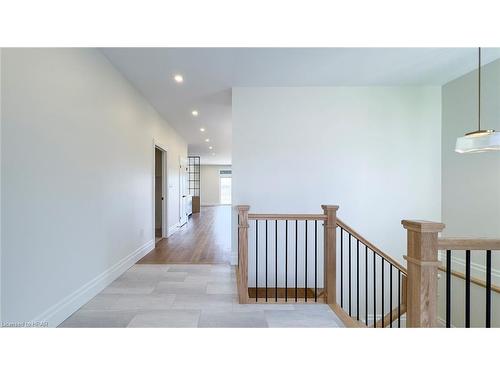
(471, 185)
(209, 180)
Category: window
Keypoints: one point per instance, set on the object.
(194, 175)
(225, 186)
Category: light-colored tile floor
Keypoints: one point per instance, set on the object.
(189, 296)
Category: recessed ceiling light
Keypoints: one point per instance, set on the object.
(207, 140)
(210, 147)
(178, 78)
(195, 113)
(202, 129)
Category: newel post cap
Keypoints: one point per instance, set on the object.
(243, 207)
(422, 226)
(329, 207)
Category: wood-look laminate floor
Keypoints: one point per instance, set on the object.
(206, 239)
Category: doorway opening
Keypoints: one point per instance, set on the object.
(225, 182)
(225, 190)
(159, 194)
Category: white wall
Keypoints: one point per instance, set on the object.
(77, 179)
(209, 183)
(471, 182)
(376, 152)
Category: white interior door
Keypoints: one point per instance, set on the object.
(183, 190)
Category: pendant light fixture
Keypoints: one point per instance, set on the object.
(478, 140)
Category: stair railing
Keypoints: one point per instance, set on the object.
(300, 237)
(423, 267)
(390, 291)
(372, 284)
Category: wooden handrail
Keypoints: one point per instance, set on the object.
(371, 246)
(287, 217)
(457, 243)
(473, 280)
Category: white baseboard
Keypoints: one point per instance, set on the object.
(59, 312)
(478, 270)
(172, 229)
(234, 259)
(442, 323)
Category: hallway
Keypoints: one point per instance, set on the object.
(206, 239)
(186, 281)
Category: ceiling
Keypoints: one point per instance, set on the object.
(210, 73)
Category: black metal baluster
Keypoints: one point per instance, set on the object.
(315, 260)
(366, 285)
(374, 290)
(305, 277)
(467, 289)
(266, 260)
(296, 242)
(488, 289)
(275, 260)
(357, 280)
(448, 288)
(390, 292)
(286, 260)
(256, 260)
(399, 298)
(382, 291)
(341, 267)
(350, 240)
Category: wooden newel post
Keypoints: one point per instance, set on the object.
(243, 253)
(422, 259)
(330, 243)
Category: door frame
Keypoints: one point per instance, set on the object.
(164, 218)
(182, 201)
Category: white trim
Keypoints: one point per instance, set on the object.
(164, 222)
(59, 312)
(172, 229)
(164, 193)
(234, 259)
(220, 186)
(442, 323)
(183, 189)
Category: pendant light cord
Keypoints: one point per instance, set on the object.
(479, 90)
